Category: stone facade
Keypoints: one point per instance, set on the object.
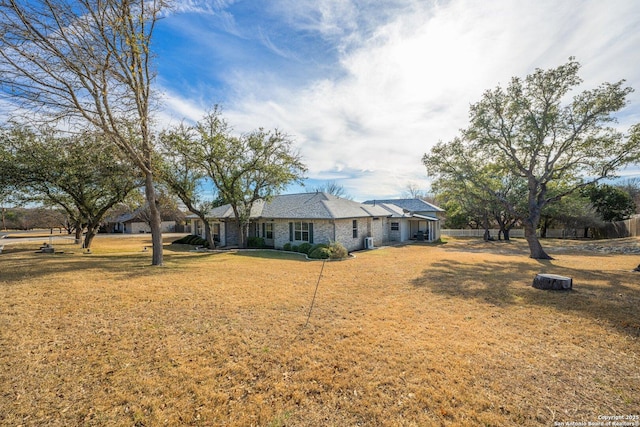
(341, 230)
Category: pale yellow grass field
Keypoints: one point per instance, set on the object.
(422, 335)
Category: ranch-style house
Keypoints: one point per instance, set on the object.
(321, 217)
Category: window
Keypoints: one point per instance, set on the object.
(355, 228)
(395, 226)
(216, 232)
(301, 231)
(267, 230)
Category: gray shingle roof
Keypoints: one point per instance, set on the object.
(412, 205)
(316, 206)
(306, 206)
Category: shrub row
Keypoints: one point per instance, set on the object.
(192, 239)
(256, 242)
(333, 250)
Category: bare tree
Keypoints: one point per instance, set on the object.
(86, 61)
(333, 188)
(413, 191)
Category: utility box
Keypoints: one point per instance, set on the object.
(368, 242)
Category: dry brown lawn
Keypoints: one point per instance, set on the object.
(418, 335)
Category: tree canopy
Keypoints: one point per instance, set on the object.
(610, 202)
(243, 168)
(185, 175)
(529, 131)
(81, 174)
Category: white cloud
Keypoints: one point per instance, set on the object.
(200, 6)
(177, 109)
(407, 80)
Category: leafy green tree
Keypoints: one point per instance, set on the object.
(244, 169)
(82, 174)
(611, 203)
(572, 212)
(477, 186)
(456, 215)
(527, 131)
(86, 62)
(184, 174)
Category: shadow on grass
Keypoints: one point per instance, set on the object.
(597, 295)
(26, 264)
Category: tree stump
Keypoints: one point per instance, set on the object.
(553, 282)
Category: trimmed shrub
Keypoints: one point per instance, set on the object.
(287, 247)
(192, 239)
(255, 242)
(318, 245)
(338, 251)
(304, 248)
(322, 252)
(179, 241)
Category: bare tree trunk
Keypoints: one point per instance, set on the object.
(544, 228)
(207, 233)
(78, 230)
(155, 221)
(91, 233)
(535, 248)
(487, 233)
(244, 235)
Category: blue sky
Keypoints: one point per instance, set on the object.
(365, 88)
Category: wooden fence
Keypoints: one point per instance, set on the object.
(627, 228)
(612, 230)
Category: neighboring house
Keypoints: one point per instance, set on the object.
(319, 218)
(134, 223)
(411, 219)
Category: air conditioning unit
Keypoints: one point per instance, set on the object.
(368, 242)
